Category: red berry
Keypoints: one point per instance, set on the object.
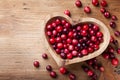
(44, 56)
(117, 33)
(90, 73)
(58, 21)
(103, 10)
(96, 47)
(67, 12)
(84, 33)
(78, 3)
(63, 70)
(36, 64)
(54, 24)
(59, 28)
(99, 34)
(106, 55)
(60, 45)
(74, 53)
(95, 28)
(72, 76)
(107, 14)
(84, 52)
(71, 47)
(101, 68)
(53, 74)
(87, 9)
(103, 3)
(63, 36)
(74, 41)
(95, 2)
(114, 17)
(114, 61)
(69, 56)
(118, 50)
(49, 27)
(112, 24)
(85, 27)
(58, 39)
(70, 34)
(52, 40)
(48, 68)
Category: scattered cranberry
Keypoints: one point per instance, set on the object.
(103, 10)
(63, 55)
(78, 3)
(90, 73)
(53, 74)
(95, 2)
(48, 68)
(63, 70)
(112, 56)
(36, 64)
(67, 12)
(114, 17)
(101, 68)
(107, 14)
(72, 76)
(44, 56)
(114, 61)
(112, 24)
(118, 50)
(106, 55)
(87, 9)
(117, 33)
(103, 3)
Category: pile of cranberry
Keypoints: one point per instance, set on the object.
(80, 40)
(73, 41)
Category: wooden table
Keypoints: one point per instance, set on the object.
(21, 40)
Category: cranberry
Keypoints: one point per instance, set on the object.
(117, 33)
(72, 76)
(36, 64)
(101, 68)
(49, 33)
(60, 45)
(90, 73)
(69, 56)
(87, 9)
(54, 24)
(69, 40)
(114, 61)
(99, 34)
(118, 50)
(63, 70)
(58, 39)
(84, 52)
(93, 38)
(80, 55)
(103, 3)
(63, 22)
(111, 39)
(78, 3)
(74, 53)
(44, 56)
(95, 2)
(74, 41)
(67, 25)
(114, 17)
(63, 36)
(58, 21)
(79, 28)
(66, 51)
(85, 27)
(107, 14)
(53, 74)
(59, 28)
(90, 50)
(92, 32)
(112, 56)
(84, 33)
(112, 24)
(71, 47)
(49, 27)
(106, 55)
(111, 49)
(57, 51)
(89, 62)
(63, 55)
(48, 68)
(95, 28)
(96, 47)
(67, 12)
(70, 34)
(52, 40)
(102, 10)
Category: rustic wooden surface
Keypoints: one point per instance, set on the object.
(21, 40)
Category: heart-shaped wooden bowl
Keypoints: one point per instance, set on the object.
(57, 58)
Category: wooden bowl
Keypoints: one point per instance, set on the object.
(57, 58)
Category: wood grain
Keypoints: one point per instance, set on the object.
(21, 41)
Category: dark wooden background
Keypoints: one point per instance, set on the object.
(21, 39)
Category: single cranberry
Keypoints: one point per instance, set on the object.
(95, 2)
(117, 33)
(93, 38)
(115, 61)
(74, 53)
(80, 55)
(54, 46)
(118, 50)
(48, 68)
(87, 9)
(85, 27)
(44, 56)
(68, 40)
(49, 27)
(100, 39)
(111, 49)
(63, 70)
(106, 55)
(72, 76)
(63, 36)
(90, 73)
(114, 17)
(111, 39)
(70, 34)
(84, 52)
(53, 74)
(63, 22)
(84, 33)
(78, 3)
(52, 40)
(103, 10)
(59, 28)
(58, 39)
(49, 33)
(99, 34)
(54, 24)
(94, 77)
(65, 31)
(78, 28)
(90, 50)
(57, 51)
(95, 28)
(90, 25)
(63, 55)
(103, 3)
(58, 21)
(112, 24)
(54, 32)
(101, 68)
(74, 41)
(69, 56)
(96, 47)
(67, 12)
(92, 32)
(89, 62)
(112, 56)
(66, 51)
(107, 14)
(36, 64)
(67, 25)
(71, 47)
(60, 45)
